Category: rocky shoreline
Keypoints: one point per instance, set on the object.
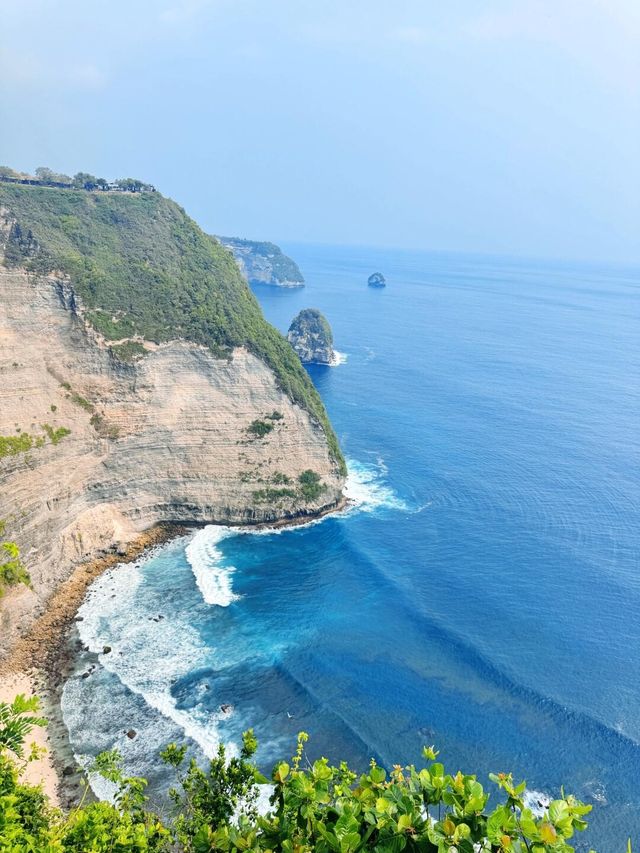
(42, 660)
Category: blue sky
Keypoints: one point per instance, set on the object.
(492, 126)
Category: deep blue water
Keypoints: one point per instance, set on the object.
(484, 595)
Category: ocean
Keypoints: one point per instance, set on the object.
(482, 593)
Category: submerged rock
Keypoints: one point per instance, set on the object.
(376, 280)
(311, 337)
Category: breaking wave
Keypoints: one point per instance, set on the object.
(114, 617)
(367, 488)
(206, 561)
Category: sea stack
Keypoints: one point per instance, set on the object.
(311, 337)
(376, 280)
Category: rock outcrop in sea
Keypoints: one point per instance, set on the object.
(311, 337)
(263, 263)
(376, 280)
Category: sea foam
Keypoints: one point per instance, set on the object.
(367, 489)
(205, 559)
(112, 615)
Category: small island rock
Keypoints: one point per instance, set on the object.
(376, 280)
(311, 337)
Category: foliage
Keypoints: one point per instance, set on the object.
(315, 808)
(46, 175)
(310, 485)
(259, 428)
(141, 267)
(85, 181)
(82, 402)
(208, 799)
(132, 185)
(56, 435)
(12, 569)
(11, 445)
(16, 721)
(103, 428)
(129, 351)
(270, 495)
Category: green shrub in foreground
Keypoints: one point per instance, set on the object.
(314, 807)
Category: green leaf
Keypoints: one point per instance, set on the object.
(378, 774)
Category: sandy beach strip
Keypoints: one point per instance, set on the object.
(42, 771)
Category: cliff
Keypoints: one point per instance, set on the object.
(311, 337)
(263, 263)
(138, 391)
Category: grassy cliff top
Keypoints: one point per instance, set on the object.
(142, 267)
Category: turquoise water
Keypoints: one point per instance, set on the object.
(483, 593)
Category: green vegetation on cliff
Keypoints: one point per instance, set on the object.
(142, 267)
(315, 807)
(13, 445)
(12, 569)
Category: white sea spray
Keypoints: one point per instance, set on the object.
(113, 615)
(205, 559)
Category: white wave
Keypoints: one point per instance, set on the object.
(338, 358)
(147, 656)
(213, 579)
(367, 489)
(537, 801)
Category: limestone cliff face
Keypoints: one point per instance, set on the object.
(263, 263)
(175, 435)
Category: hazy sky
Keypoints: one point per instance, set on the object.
(438, 124)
